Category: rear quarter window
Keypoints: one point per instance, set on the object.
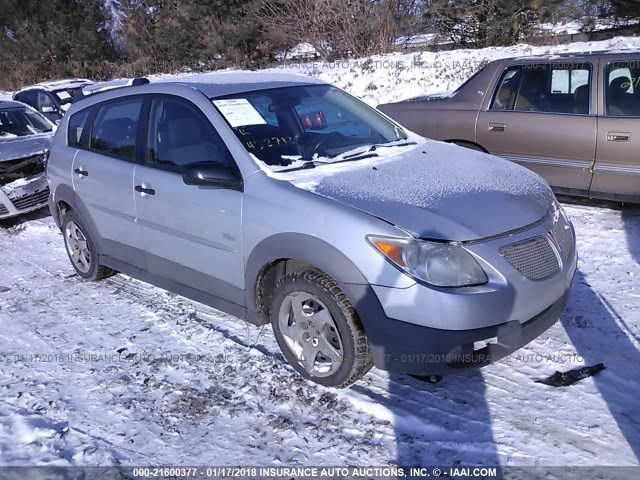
(77, 123)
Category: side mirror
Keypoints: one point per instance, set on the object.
(48, 109)
(212, 174)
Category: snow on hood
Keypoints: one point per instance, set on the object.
(20, 147)
(440, 191)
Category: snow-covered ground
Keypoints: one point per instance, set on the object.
(572, 27)
(122, 372)
(398, 76)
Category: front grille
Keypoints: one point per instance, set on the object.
(3, 210)
(535, 258)
(32, 200)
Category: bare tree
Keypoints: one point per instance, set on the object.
(335, 28)
(481, 23)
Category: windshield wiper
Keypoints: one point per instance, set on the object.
(309, 164)
(373, 148)
(362, 155)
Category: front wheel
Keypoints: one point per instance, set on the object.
(318, 330)
(81, 249)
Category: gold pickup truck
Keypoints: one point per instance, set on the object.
(572, 118)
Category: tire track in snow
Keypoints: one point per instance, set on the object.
(244, 405)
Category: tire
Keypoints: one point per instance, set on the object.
(81, 249)
(318, 330)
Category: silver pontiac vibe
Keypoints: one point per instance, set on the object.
(281, 199)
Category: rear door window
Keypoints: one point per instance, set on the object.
(114, 128)
(547, 88)
(622, 89)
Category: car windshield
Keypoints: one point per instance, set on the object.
(282, 126)
(22, 121)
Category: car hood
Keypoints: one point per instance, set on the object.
(12, 148)
(440, 191)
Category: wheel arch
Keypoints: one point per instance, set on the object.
(467, 144)
(65, 198)
(283, 253)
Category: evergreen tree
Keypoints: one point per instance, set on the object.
(54, 39)
(626, 9)
(161, 35)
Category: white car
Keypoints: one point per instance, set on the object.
(25, 136)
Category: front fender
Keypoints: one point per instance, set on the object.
(301, 247)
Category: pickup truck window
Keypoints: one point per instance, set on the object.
(622, 89)
(548, 88)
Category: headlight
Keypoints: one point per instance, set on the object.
(439, 264)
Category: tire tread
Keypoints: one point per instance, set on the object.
(363, 359)
(102, 271)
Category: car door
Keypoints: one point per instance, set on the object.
(617, 168)
(192, 233)
(542, 116)
(103, 172)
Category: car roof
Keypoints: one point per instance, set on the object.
(102, 87)
(117, 83)
(10, 104)
(212, 85)
(574, 55)
(219, 84)
(58, 84)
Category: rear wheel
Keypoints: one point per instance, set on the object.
(318, 329)
(81, 249)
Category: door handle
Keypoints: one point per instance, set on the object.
(81, 171)
(618, 136)
(144, 190)
(496, 127)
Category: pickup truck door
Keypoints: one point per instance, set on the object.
(617, 169)
(542, 116)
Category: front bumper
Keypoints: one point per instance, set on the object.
(31, 195)
(404, 347)
(426, 330)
